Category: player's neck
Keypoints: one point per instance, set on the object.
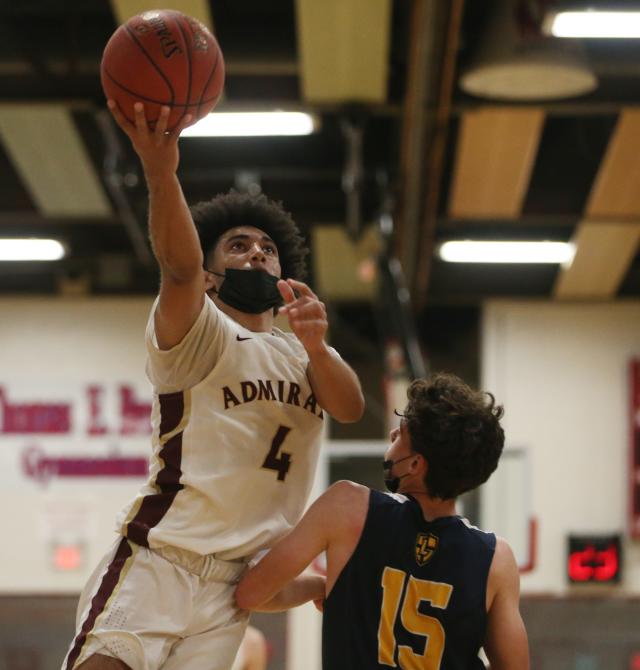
(257, 323)
(433, 508)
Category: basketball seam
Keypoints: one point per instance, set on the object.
(213, 71)
(144, 98)
(160, 72)
(187, 49)
(201, 100)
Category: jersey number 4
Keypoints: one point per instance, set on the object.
(281, 463)
(436, 594)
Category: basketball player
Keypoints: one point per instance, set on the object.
(237, 417)
(409, 584)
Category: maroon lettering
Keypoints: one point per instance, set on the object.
(96, 424)
(229, 397)
(249, 391)
(294, 392)
(135, 414)
(28, 418)
(311, 404)
(265, 390)
(37, 465)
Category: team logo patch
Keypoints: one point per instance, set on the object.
(426, 545)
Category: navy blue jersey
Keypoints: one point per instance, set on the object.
(412, 595)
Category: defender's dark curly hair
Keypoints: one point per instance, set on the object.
(458, 432)
(228, 210)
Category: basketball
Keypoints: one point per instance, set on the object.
(163, 57)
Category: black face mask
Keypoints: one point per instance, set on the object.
(250, 291)
(393, 483)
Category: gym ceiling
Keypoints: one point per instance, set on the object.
(399, 143)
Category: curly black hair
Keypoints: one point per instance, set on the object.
(229, 210)
(457, 430)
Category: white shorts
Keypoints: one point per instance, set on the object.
(160, 608)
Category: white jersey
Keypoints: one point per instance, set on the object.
(236, 437)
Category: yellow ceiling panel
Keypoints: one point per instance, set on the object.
(604, 252)
(52, 160)
(344, 49)
(615, 193)
(199, 9)
(495, 155)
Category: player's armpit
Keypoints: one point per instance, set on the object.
(506, 643)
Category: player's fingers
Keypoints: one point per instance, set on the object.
(308, 326)
(140, 118)
(308, 310)
(302, 288)
(186, 120)
(163, 120)
(117, 114)
(286, 292)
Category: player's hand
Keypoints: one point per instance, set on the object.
(319, 604)
(157, 148)
(306, 313)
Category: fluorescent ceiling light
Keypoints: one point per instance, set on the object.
(251, 124)
(593, 23)
(468, 251)
(30, 250)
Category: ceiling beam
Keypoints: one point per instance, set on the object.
(496, 151)
(419, 87)
(52, 161)
(604, 252)
(344, 49)
(437, 150)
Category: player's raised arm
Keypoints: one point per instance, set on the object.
(506, 643)
(334, 383)
(174, 238)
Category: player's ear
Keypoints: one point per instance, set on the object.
(419, 463)
(209, 280)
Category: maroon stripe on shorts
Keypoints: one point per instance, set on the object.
(156, 505)
(108, 584)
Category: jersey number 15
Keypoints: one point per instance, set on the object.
(437, 594)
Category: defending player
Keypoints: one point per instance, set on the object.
(409, 584)
(237, 418)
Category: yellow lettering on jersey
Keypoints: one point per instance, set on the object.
(392, 583)
(437, 594)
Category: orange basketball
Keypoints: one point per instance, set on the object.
(163, 57)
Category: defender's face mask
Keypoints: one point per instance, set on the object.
(250, 291)
(393, 483)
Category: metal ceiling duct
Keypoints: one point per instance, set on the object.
(516, 62)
